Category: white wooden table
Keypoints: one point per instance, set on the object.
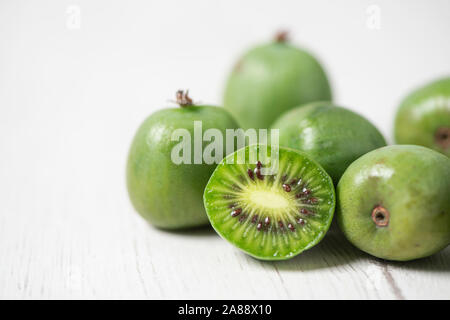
(67, 230)
(71, 99)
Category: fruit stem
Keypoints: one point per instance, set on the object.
(183, 98)
(282, 36)
(380, 216)
(442, 137)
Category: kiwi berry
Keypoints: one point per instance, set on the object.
(271, 79)
(423, 117)
(274, 216)
(394, 202)
(331, 135)
(166, 194)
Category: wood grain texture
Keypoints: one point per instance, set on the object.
(71, 100)
(67, 230)
(73, 235)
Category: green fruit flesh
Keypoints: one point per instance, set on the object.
(272, 79)
(168, 195)
(271, 217)
(423, 117)
(331, 135)
(394, 202)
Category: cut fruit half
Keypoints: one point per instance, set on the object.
(274, 216)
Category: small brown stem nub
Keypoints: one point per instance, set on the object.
(380, 216)
(442, 137)
(282, 36)
(183, 98)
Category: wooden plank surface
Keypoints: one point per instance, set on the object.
(71, 100)
(89, 243)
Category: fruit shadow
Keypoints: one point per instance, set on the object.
(203, 231)
(439, 262)
(333, 251)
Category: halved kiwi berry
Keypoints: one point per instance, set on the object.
(270, 217)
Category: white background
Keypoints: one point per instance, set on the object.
(74, 88)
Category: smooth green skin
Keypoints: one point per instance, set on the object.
(167, 195)
(422, 113)
(213, 210)
(332, 135)
(271, 79)
(413, 184)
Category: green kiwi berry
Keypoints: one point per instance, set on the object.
(271, 79)
(167, 194)
(423, 117)
(332, 135)
(394, 202)
(274, 215)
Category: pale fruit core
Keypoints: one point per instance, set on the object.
(265, 198)
(268, 199)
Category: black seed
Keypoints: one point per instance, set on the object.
(250, 174)
(267, 221)
(258, 174)
(302, 194)
(311, 201)
(301, 221)
(259, 164)
(305, 211)
(291, 227)
(255, 218)
(280, 223)
(306, 191)
(236, 212)
(286, 187)
(259, 226)
(242, 218)
(293, 182)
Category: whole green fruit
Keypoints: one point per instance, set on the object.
(423, 117)
(332, 135)
(166, 194)
(394, 202)
(271, 79)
